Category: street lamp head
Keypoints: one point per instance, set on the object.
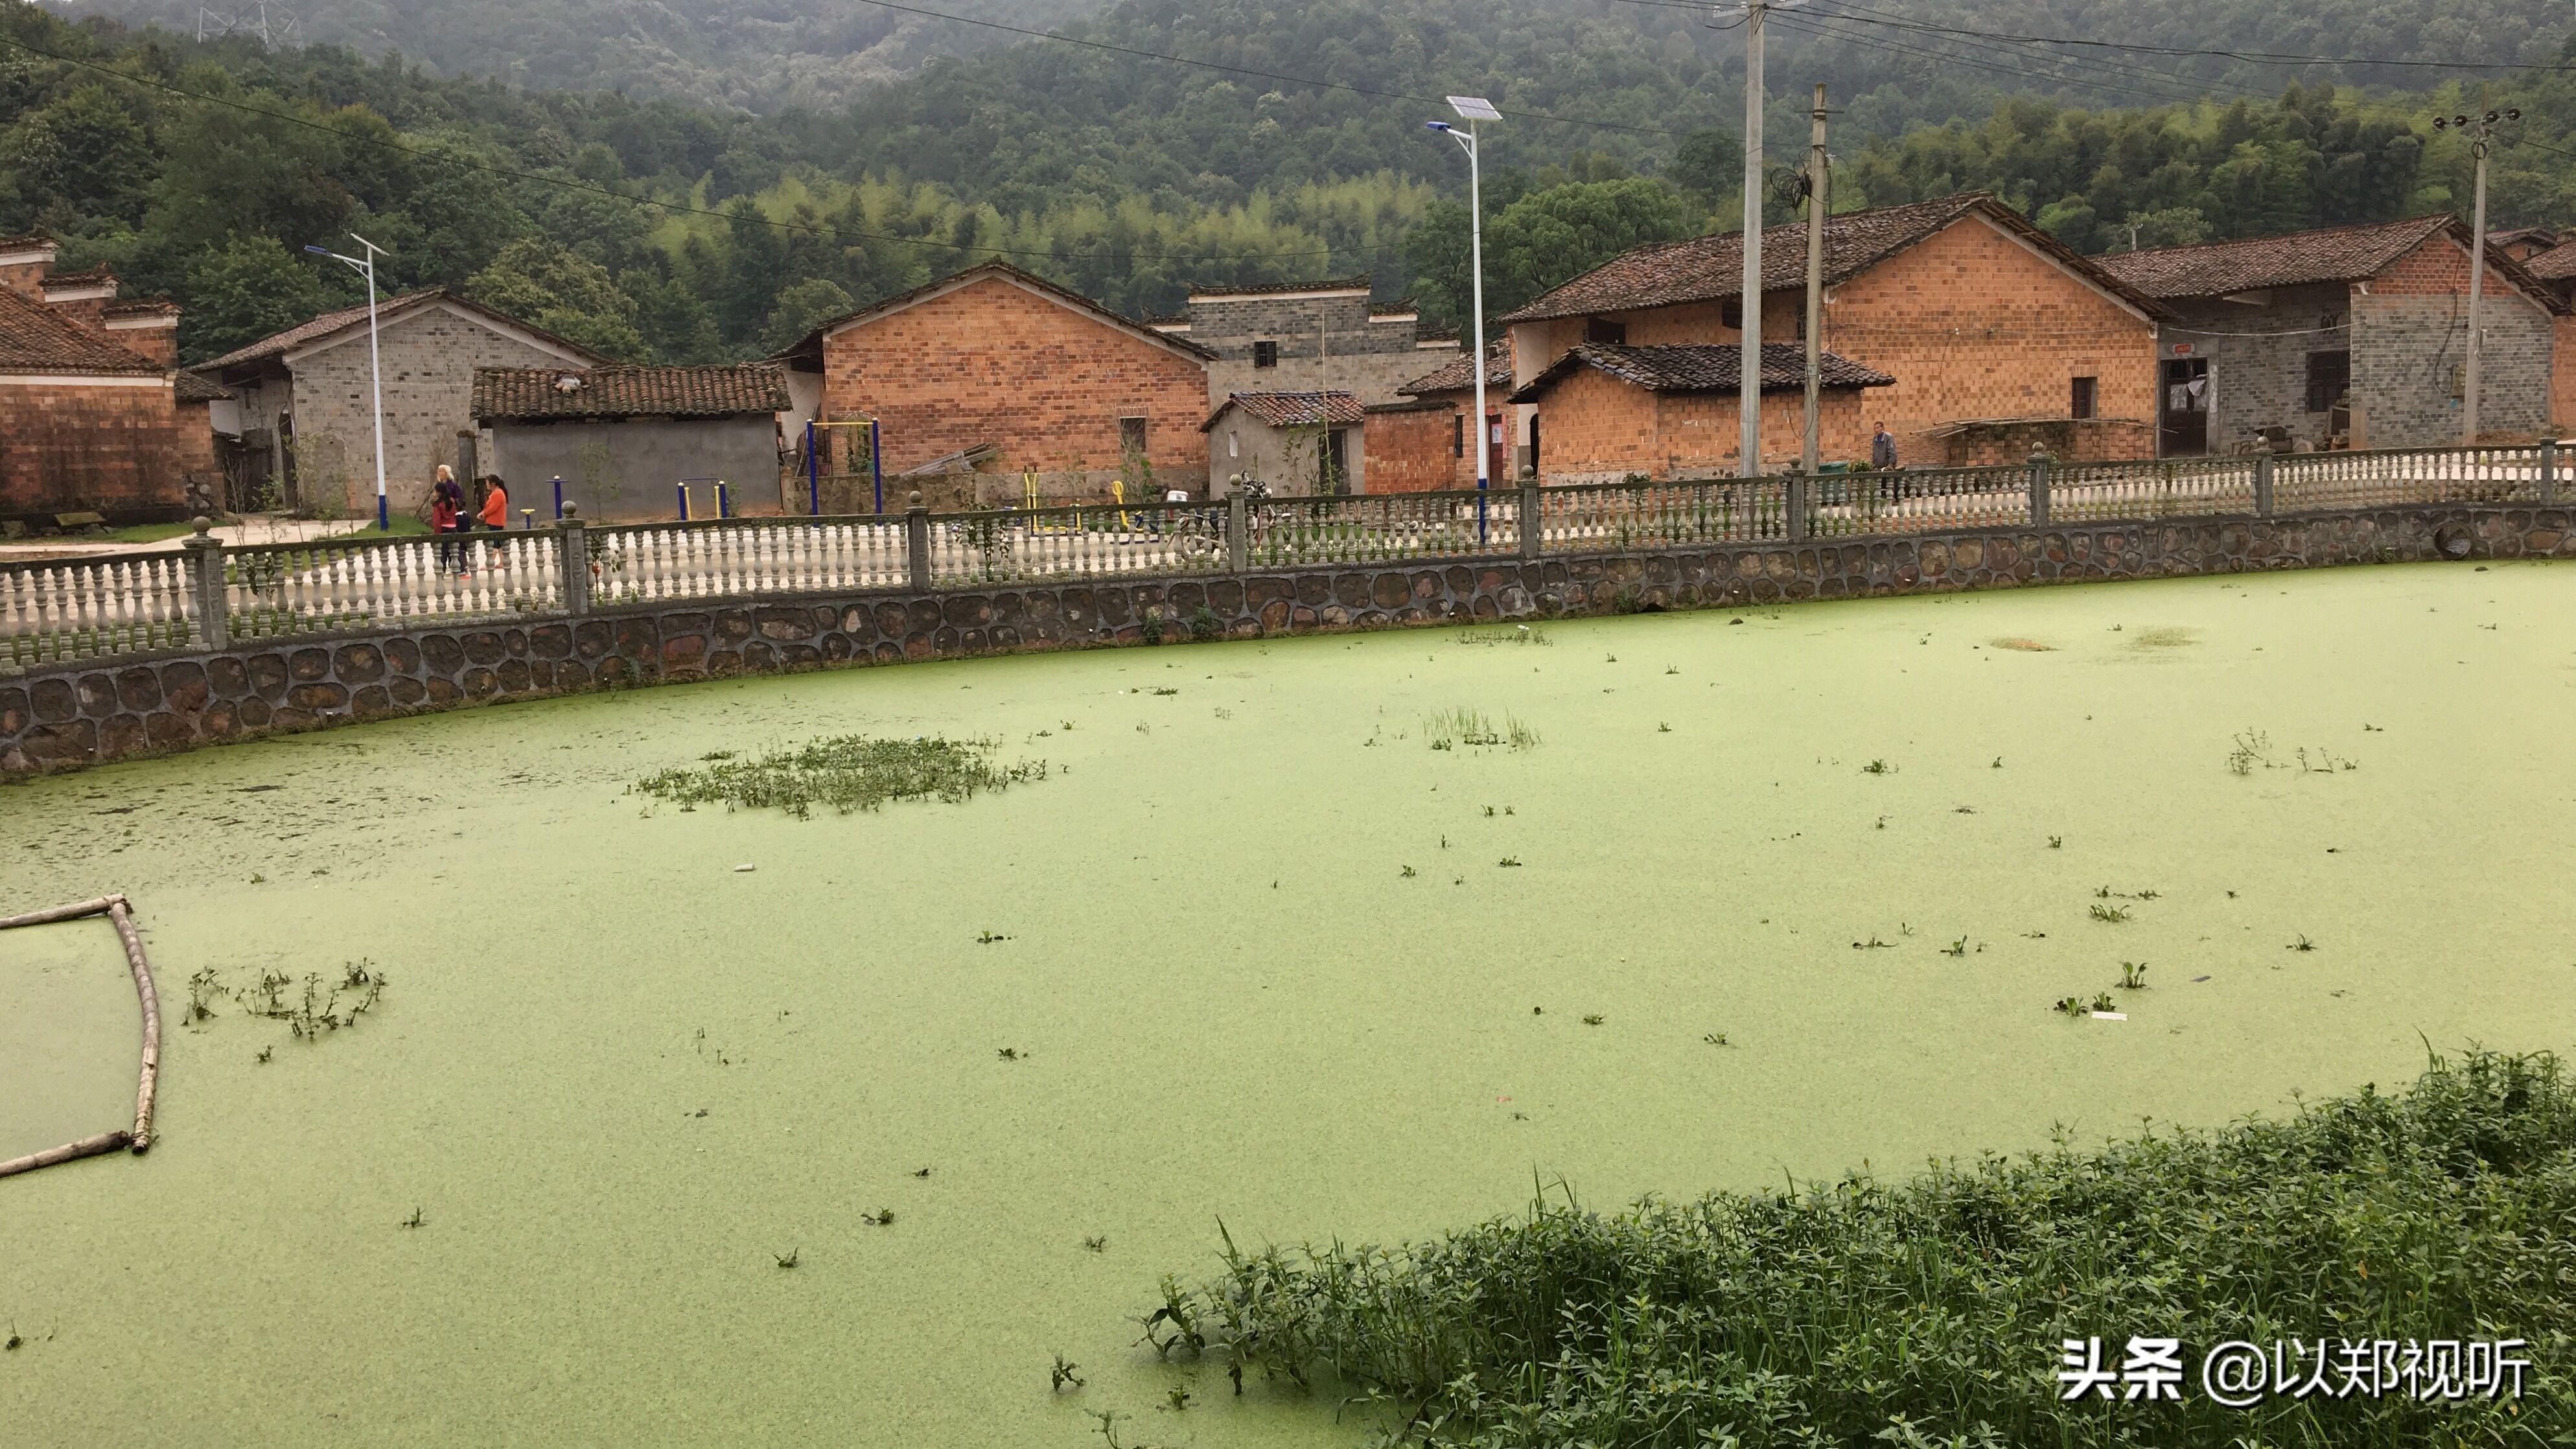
(1438, 126)
(319, 251)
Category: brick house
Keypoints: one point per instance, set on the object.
(306, 414)
(2275, 332)
(2555, 268)
(1995, 332)
(1670, 411)
(1296, 444)
(623, 438)
(1023, 375)
(1412, 446)
(1306, 337)
(2523, 242)
(1453, 385)
(92, 417)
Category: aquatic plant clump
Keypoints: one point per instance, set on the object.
(845, 773)
(1934, 1311)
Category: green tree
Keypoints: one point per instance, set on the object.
(245, 290)
(1550, 236)
(1708, 166)
(800, 307)
(538, 281)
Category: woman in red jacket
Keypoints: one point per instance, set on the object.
(446, 516)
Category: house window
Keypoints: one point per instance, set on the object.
(2082, 398)
(1131, 435)
(1457, 435)
(1613, 334)
(1731, 313)
(1233, 444)
(1265, 354)
(2329, 378)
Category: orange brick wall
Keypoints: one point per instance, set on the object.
(1593, 427)
(1413, 450)
(1971, 323)
(1463, 464)
(2562, 375)
(112, 450)
(993, 362)
(2439, 268)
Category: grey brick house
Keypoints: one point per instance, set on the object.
(1307, 337)
(2354, 335)
(304, 393)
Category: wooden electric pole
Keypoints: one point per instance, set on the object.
(1818, 208)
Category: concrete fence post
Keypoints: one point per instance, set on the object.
(573, 539)
(1238, 542)
(2039, 490)
(1533, 542)
(2263, 484)
(916, 527)
(206, 580)
(2548, 472)
(1798, 496)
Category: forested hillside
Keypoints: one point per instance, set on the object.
(653, 228)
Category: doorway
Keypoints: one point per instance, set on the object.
(2182, 408)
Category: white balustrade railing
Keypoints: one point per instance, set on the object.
(1607, 517)
(57, 610)
(278, 590)
(745, 558)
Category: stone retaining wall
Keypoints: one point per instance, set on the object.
(63, 717)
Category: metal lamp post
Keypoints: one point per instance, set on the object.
(1475, 108)
(375, 365)
(2481, 132)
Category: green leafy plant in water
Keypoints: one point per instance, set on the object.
(1451, 728)
(847, 773)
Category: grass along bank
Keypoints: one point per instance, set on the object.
(1931, 1311)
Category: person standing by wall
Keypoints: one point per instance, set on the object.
(1882, 449)
(447, 518)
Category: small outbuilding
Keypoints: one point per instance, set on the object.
(624, 439)
(1296, 444)
(1604, 413)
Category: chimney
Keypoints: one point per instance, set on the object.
(150, 328)
(24, 261)
(80, 296)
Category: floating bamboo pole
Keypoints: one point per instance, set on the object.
(138, 1137)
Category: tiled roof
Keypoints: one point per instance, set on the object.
(1704, 367)
(812, 341)
(279, 344)
(194, 389)
(520, 394)
(1293, 409)
(2554, 265)
(2329, 254)
(142, 307)
(2302, 258)
(2546, 236)
(36, 338)
(1711, 268)
(1392, 311)
(1359, 283)
(98, 276)
(1459, 373)
(30, 242)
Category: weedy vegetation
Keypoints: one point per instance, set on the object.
(847, 773)
(1740, 1318)
(2113, 914)
(1452, 729)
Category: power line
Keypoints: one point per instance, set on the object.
(1821, 30)
(1062, 39)
(2254, 57)
(590, 188)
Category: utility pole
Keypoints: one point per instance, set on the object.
(1473, 109)
(1749, 384)
(375, 367)
(1818, 208)
(2481, 132)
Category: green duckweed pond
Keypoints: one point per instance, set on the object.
(1763, 894)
